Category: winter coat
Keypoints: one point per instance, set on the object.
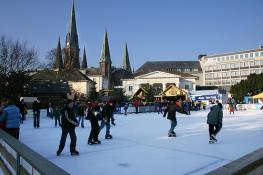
(171, 110)
(11, 115)
(36, 106)
(68, 119)
(215, 116)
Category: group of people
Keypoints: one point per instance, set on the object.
(94, 112)
(214, 118)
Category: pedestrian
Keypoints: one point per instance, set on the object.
(126, 108)
(23, 110)
(80, 114)
(93, 114)
(36, 113)
(107, 112)
(50, 111)
(57, 114)
(68, 124)
(11, 116)
(214, 121)
(231, 106)
(136, 105)
(171, 110)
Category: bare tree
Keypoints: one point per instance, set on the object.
(51, 58)
(15, 60)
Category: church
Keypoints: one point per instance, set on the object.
(79, 77)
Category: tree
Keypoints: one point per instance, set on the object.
(93, 95)
(118, 95)
(249, 87)
(51, 58)
(16, 59)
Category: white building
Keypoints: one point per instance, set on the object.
(160, 80)
(228, 69)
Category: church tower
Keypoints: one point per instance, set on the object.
(58, 62)
(72, 45)
(126, 60)
(105, 60)
(84, 60)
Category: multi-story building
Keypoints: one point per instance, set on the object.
(227, 69)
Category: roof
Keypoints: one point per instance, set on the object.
(169, 66)
(260, 95)
(64, 74)
(93, 71)
(182, 74)
(49, 87)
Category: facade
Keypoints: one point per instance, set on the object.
(227, 69)
(160, 80)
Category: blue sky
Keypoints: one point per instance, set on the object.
(154, 29)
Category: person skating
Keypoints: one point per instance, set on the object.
(171, 110)
(214, 121)
(68, 124)
(93, 113)
(23, 110)
(108, 113)
(36, 113)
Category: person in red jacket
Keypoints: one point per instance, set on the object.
(136, 105)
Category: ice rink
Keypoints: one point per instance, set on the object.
(140, 144)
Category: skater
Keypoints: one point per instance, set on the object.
(107, 112)
(11, 116)
(57, 114)
(126, 108)
(136, 105)
(80, 114)
(214, 121)
(36, 113)
(92, 112)
(23, 110)
(171, 110)
(69, 122)
(231, 107)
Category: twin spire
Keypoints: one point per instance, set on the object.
(72, 49)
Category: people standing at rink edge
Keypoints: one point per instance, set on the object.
(214, 121)
(11, 116)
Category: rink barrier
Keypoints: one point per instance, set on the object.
(12, 159)
(251, 164)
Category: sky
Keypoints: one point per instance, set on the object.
(140, 144)
(155, 30)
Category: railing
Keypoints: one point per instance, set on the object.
(251, 164)
(11, 162)
(141, 109)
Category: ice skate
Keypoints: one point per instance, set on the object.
(108, 136)
(74, 153)
(172, 134)
(213, 137)
(211, 141)
(96, 142)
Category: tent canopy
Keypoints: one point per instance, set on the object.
(260, 95)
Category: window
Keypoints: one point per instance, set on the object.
(252, 63)
(256, 54)
(223, 66)
(232, 57)
(242, 64)
(257, 63)
(237, 65)
(236, 57)
(195, 70)
(261, 62)
(186, 86)
(241, 56)
(227, 58)
(246, 64)
(246, 55)
(215, 67)
(232, 65)
(251, 55)
(227, 66)
(261, 54)
(130, 88)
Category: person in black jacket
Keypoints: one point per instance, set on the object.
(108, 110)
(171, 110)
(68, 124)
(36, 113)
(93, 114)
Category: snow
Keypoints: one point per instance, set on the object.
(140, 144)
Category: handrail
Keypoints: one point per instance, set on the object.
(243, 165)
(38, 162)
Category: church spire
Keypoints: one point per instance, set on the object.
(72, 35)
(72, 45)
(105, 52)
(58, 61)
(126, 60)
(84, 60)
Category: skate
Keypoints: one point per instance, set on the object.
(172, 134)
(96, 142)
(211, 141)
(108, 136)
(213, 137)
(74, 153)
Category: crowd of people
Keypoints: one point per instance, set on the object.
(72, 113)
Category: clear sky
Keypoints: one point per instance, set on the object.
(154, 29)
